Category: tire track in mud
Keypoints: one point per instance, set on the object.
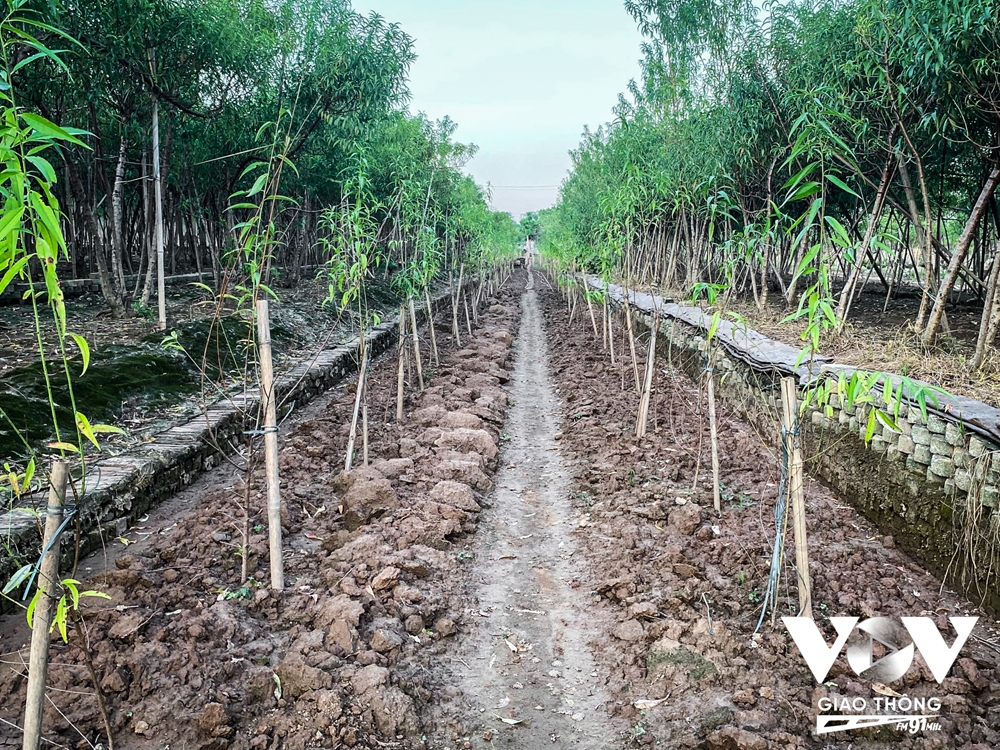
(526, 656)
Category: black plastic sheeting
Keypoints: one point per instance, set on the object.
(769, 356)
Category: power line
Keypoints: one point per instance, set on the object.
(525, 187)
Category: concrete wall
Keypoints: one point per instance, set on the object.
(933, 486)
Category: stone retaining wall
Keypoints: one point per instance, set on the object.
(120, 489)
(934, 486)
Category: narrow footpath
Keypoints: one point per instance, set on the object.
(524, 666)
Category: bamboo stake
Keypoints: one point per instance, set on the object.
(640, 427)
(270, 429)
(48, 584)
(789, 423)
(714, 432)
(364, 422)
(399, 369)
(590, 307)
(416, 345)
(454, 308)
(468, 323)
(611, 334)
(358, 401)
(430, 326)
(631, 346)
(604, 324)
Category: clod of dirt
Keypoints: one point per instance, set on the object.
(445, 627)
(392, 468)
(365, 494)
(298, 678)
(368, 678)
(685, 518)
(630, 630)
(667, 651)
(385, 580)
(414, 624)
(464, 440)
(213, 721)
(733, 738)
(455, 494)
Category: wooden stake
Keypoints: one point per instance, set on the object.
(789, 423)
(590, 307)
(358, 401)
(48, 584)
(416, 345)
(604, 324)
(468, 323)
(454, 308)
(631, 346)
(640, 426)
(611, 333)
(713, 429)
(270, 429)
(401, 365)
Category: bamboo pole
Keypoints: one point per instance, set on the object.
(605, 331)
(416, 344)
(270, 429)
(631, 345)
(590, 307)
(468, 323)
(399, 369)
(640, 427)
(454, 308)
(358, 401)
(714, 432)
(611, 333)
(789, 424)
(48, 584)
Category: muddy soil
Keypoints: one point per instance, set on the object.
(523, 665)
(683, 586)
(188, 656)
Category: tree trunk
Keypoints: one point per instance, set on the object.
(99, 253)
(161, 300)
(117, 221)
(991, 314)
(958, 256)
(847, 294)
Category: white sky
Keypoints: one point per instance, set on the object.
(520, 78)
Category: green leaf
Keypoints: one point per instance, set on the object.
(83, 424)
(84, 347)
(18, 578)
(30, 614)
(62, 445)
(49, 129)
(14, 271)
(841, 184)
(11, 220)
(60, 620)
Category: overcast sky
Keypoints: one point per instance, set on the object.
(521, 78)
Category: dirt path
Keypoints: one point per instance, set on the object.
(526, 657)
